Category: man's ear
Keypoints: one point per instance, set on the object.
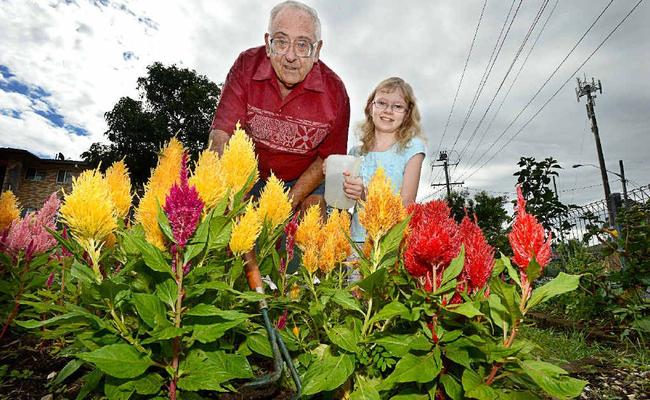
(267, 45)
(318, 46)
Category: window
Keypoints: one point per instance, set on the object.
(64, 176)
(33, 174)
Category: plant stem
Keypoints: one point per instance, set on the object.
(367, 318)
(19, 294)
(177, 323)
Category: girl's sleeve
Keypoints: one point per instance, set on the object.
(417, 146)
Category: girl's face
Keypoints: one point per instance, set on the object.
(388, 111)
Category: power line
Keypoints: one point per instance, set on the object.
(488, 69)
(505, 76)
(462, 76)
(558, 90)
(512, 84)
(540, 89)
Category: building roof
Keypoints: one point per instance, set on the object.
(7, 153)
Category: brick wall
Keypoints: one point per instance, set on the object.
(32, 194)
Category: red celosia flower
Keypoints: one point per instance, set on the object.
(50, 280)
(183, 208)
(282, 321)
(527, 238)
(479, 255)
(432, 243)
(290, 233)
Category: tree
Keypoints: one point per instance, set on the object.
(541, 201)
(172, 101)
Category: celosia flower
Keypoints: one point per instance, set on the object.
(282, 321)
(433, 241)
(117, 176)
(309, 228)
(327, 255)
(88, 210)
(245, 231)
(310, 259)
(208, 179)
(183, 208)
(274, 205)
(296, 331)
(290, 235)
(29, 234)
(50, 280)
(166, 173)
(294, 293)
(334, 246)
(382, 208)
(528, 238)
(479, 255)
(9, 209)
(239, 161)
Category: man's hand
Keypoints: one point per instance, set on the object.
(217, 141)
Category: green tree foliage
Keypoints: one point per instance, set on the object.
(172, 101)
(535, 180)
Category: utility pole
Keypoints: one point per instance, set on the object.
(586, 88)
(444, 158)
(620, 164)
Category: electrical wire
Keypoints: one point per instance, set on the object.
(560, 88)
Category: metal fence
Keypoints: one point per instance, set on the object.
(596, 213)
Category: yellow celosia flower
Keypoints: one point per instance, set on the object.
(9, 209)
(309, 228)
(337, 227)
(208, 179)
(382, 208)
(327, 256)
(274, 205)
(310, 259)
(294, 293)
(163, 177)
(296, 331)
(239, 161)
(245, 231)
(119, 184)
(88, 210)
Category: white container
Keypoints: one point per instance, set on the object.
(336, 165)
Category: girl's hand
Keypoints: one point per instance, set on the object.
(353, 187)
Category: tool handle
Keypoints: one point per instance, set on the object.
(252, 270)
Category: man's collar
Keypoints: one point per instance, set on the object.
(313, 81)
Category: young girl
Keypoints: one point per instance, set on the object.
(391, 139)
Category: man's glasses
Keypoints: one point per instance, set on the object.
(301, 48)
(396, 108)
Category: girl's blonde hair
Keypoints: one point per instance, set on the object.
(410, 127)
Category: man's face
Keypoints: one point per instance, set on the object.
(292, 25)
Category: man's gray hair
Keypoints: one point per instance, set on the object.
(299, 6)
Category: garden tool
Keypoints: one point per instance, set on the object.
(279, 349)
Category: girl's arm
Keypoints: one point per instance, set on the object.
(411, 179)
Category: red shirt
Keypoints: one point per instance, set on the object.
(312, 121)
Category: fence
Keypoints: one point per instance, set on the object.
(580, 217)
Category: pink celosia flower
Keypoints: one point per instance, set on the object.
(282, 321)
(29, 234)
(50, 280)
(433, 241)
(528, 238)
(479, 255)
(290, 233)
(183, 208)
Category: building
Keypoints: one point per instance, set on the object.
(33, 179)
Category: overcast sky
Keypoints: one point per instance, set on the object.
(63, 64)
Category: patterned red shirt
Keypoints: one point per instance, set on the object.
(312, 121)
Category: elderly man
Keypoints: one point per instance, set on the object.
(293, 106)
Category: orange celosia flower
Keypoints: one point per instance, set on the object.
(9, 209)
(382, 208)
(309, 228)
(208, 179)
(117, 176)
(166, 174)
(310, 259)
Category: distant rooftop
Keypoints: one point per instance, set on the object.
(7, 152)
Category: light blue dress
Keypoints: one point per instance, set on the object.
(394, 162)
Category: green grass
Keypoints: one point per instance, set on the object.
(566, 347)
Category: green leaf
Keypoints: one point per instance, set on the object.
(198, 241)
(482, 392)
(498, 312)
(151, 310)
(167, 291)
(344, 338)
(70, 368)
(455, 268)
(452, 387)
(163, 223)
(421, 369)
(209, 370)
(466, 309)
(259, 343)
(220, 228)
(364, 390)
(212, 332)
(118, 360)
(396, 345)
(533, 271)
(459, 354)
(509, 298)
(560, 284)
(512, 272)
(328, 373)
(346, 300)
(552, 379)
(148, 384)
(152, 256)
(375, 279)
(91, 380)
(168, 332)
(409, 395)
(391, 241)
(390, 310)
(82, 273)
(470, 379)
(499, 266)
